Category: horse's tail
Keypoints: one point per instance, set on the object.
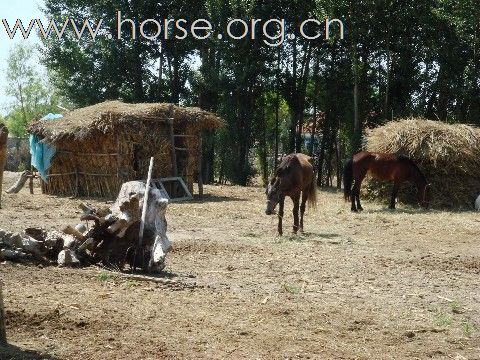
(348, 179)
(312, 193)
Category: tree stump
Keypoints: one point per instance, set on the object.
(3, 334)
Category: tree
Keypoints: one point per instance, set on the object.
(397, 59)
(31, 95)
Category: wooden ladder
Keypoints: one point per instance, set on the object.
(160, 184)
(174, 148)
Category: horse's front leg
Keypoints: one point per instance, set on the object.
(359, 206)
(357, 197)
(281, 204)
(302, 208)
(394, 195)
(296, 206)
(353, 197)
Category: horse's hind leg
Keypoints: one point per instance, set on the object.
(356, 192)
(296, 202)
(396, 186)
(353, 197)
(302, 208)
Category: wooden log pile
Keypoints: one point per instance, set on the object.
(113, 240)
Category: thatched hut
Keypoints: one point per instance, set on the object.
(448, 154)
(100, 147)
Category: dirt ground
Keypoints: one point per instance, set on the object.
(381, 284)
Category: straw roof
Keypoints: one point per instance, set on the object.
(448, 154)
(104, 117)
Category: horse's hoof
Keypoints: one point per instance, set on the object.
(354, 210)
(360, 209)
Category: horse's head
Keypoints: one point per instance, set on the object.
(282, 182)
(423, 195)
(160, 248)
(273, 195)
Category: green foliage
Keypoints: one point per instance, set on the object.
(292, 289)
(406, 58)
(468, 328)
(32, 96)
(22, 167)
(443, 320)
(103, 276)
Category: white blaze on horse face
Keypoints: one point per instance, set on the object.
(160, 248)
(272, 198)
(162, 244)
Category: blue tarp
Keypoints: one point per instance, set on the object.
(42, 154)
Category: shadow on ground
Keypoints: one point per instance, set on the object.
(212, 198)
(309, 236)
(409, 211)
(12, 352)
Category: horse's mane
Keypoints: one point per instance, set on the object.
(406, 159)
(285, 162)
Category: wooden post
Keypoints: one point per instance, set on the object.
(144, 213)
(118, 156)
(172, 141)
(76, 183)
(3, 334)
(145, 204)
(200, 172)
(30, 183)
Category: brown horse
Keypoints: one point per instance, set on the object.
(389, 167)
(293, 177)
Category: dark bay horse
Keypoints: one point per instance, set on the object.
(388, 167)
(294, 177)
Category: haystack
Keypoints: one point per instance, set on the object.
(100, 147)
(448, 155)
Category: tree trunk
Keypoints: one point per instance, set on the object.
(160, 77)
(277, 112)
(264, 148)
(176, 80)
(321, 156)
(208, 158)
(301, 93)
(357, 131)
(330, 157)
(386, 112)
(3, 155)
(138, 76)
(294, 112)
(3, 334)
(443, 93)
(315, 95)
(208, 100)
(338, 162)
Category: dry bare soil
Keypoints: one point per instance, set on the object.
(376, 285)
